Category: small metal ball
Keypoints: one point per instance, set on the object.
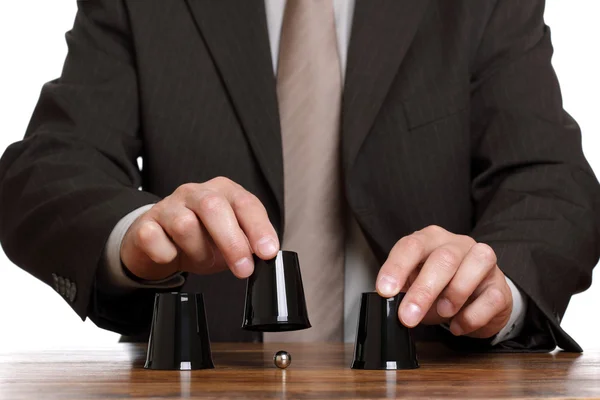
(282, 359)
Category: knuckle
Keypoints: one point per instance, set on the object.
(145, 234)
(496, 298)
(434, 230)
(220, 181)
(243, 200)
(184, 224)
(467, 239)
(211, 203)
(413, 244)
(422, 294)
(447, 258)
(186, 189)
(159, 207)
(485, 253)
(457, 294)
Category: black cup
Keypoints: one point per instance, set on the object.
(179, 335)
(382, 342)
(275, 296)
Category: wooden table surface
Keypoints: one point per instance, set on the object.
(317, 371)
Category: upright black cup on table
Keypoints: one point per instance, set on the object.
(382, 342)
(275, 295)
(179, 334)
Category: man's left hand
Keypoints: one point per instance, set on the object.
(447, 278)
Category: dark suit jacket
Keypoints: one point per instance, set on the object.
(451, 115)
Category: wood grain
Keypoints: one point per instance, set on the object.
(317, 371)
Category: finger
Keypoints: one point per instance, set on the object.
(411, 278)
(433, 318)
(186, 231)
(220, 221)
(405, 256)
(492, 328)
(218, 263)
(491, 303)
(151, 239)
(476, 266)
(254, 221)
(436, 273)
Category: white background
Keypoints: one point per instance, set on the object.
(32, 50)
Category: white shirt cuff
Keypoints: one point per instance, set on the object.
(516, 321)
(111, 273)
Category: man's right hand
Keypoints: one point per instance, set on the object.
(201, 228)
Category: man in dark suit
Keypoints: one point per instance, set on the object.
(431, 133)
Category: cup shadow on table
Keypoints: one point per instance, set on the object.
(431, 355)
(222, 359)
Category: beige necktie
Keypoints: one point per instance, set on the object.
(309, 92)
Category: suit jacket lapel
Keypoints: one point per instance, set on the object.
(237, 37)
(382, 32)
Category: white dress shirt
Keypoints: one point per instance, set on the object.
(360, 265)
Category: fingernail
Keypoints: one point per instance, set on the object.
(244, 267)
(387, 286)
(456, 329)
(411, 315)
(445, 308)
(267, 246)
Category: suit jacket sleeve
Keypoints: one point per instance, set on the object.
(74, 176)
(536, 197)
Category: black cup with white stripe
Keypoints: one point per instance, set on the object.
(179, 335)
(382, 342)
(275, 296)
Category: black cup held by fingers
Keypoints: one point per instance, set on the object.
(382, 342)
(179, 335)
(275, 296)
